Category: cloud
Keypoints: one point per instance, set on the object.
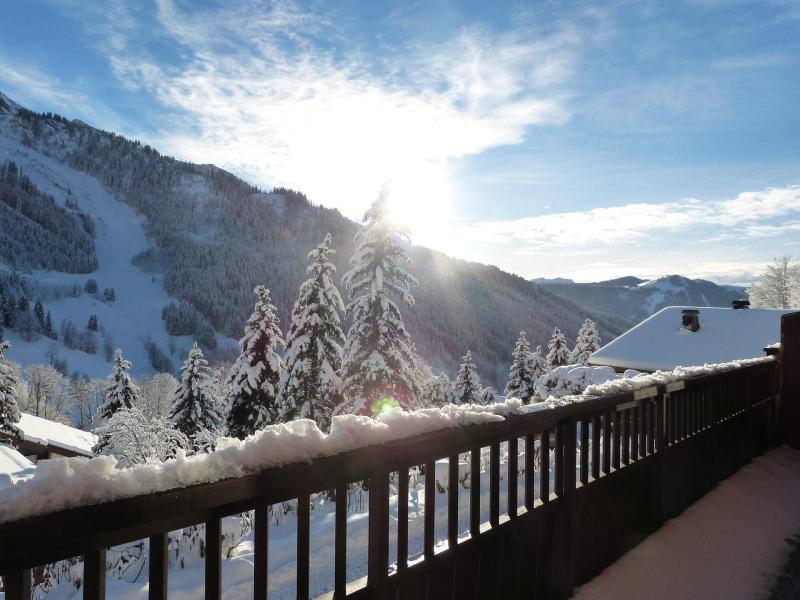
(743, 216)
(278, 94)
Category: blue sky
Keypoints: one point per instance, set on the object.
(578, 139)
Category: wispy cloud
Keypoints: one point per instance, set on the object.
(259, 88)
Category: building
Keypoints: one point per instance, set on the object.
(14, 467)
(689, 335)
(40, 438)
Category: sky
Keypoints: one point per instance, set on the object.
(553, 139)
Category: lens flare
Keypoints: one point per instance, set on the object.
(385, 404)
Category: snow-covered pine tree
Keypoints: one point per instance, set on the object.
(588, 341)
(379, 357)
(538, 363)
(196, 412)
(437, 391)
(254, 377)
(488, 395)
(121, 392)
(311, 386)
(9, 411)
(557, 350)
(467, 384)
(521, 376)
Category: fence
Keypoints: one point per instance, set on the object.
(621, 466)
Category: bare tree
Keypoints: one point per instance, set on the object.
(48, 394)
(778, 286)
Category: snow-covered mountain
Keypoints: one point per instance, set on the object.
(635, 299)
(189, 243)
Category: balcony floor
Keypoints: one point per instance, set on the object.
(737, 542)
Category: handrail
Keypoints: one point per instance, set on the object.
(627, 416)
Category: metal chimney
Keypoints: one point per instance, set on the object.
(690, 319)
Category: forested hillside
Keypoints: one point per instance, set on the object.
(215, 238)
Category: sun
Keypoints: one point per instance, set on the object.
(420, 198)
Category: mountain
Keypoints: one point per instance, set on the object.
(546, 281)
(181, 247)
(636, 299)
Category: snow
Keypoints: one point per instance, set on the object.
(71, 482)
(57, 435)
(13, 467)
(660, 343)
(730, 544)
(140, 296)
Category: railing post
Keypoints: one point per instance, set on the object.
(378, 559)
(789, 415)
(94, 575)
(17, 585)
(566, 449)
(659, 484)
(159, 567)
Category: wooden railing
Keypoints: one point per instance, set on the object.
(621, 466)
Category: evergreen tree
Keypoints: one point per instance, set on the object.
(48, 327)
(121, 392)
(9, 411)
(311, 386)
(488, 395)
(468, 383)
(557, 350)
(587, 342)
(38, 310)
(92, 324)
(437, 391)
(255, 375)
(538, 363)
(379, 357)
(521, 376)
(196, 412)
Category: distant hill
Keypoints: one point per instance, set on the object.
(190, 242)
(635, 299)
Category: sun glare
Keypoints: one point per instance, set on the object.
(420, 198)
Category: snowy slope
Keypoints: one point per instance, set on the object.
(140, 296)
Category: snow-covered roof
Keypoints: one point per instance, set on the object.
(49, 433)
(13, 467)
(661, 343)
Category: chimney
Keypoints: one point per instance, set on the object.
(690, 319)
(740, 304)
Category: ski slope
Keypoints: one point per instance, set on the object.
(140, 296)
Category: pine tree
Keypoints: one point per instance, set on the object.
(9, 411)
(488, 395)
(196, 412)
(38, 310)
(48, 327)
(521, 376)
(92, 324)
(437, 391)
(538, 363)
(468, 383)
(587, 342)
(255, 375)
(121, 392)
(379, 357)
(311, 386)
(557, 350)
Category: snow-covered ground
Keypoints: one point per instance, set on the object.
(730, 544)
(140, 297)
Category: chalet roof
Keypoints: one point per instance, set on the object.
(56, 435)
(661, 343)
(13, 467)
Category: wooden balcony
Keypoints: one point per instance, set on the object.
(621, 466)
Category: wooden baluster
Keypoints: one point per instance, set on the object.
(544, 466)
(260, 551)
(303, 545)
(584, 464)
(475, 493)
(634, 433)
(625, 415)
(378, 550)
(213, 560)
(430, 507)
(559, 482)
(607, 418)
(597, 427)
(452, 502)
(513, 466)
(402, 518)
(530, 470)
(94, 575)
(494, 484)
(158, 559)
(617, 435)
(18, 585)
